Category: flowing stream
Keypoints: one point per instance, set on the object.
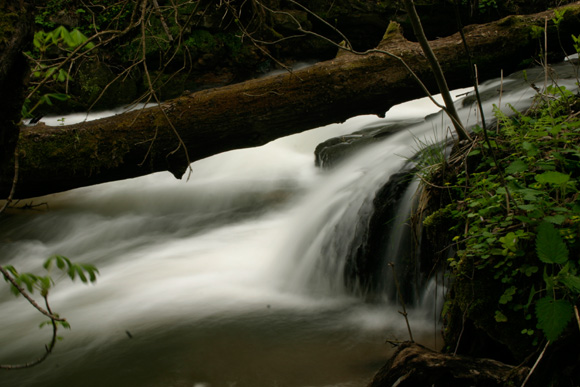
(226, 279)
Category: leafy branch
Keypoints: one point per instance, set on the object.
(26, 283)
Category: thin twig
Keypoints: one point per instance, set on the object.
(499, 101)
(546, 54)
(14, 182)
(435, 69)
(348, 48)
(162, 20)
(25, 294)
(404, 312)
(536, 363)
(156, 98)
(48, 348)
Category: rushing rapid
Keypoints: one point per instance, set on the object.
(226, 279)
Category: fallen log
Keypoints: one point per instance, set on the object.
(414, 365)
(54, 159)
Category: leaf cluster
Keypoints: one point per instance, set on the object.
(26, 284)
(46, 69)
(43, 283)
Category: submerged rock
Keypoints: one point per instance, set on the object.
(332, 151)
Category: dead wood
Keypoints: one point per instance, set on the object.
(252, 113)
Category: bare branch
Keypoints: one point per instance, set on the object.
(48, 348)
(436, 68)
(14, 181)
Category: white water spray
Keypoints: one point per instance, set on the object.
(233, 278)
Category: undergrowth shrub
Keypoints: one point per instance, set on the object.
(516, 215)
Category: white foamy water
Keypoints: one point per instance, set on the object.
(222, 280)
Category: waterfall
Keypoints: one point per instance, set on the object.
(235, 277)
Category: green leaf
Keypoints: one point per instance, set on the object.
(531, 297)
(27, 279)
(552, 177)
(62, 75)
(553, 316)
(45, 284)
(556, 219)
(500, 317)
(550, 246)
(58, 96)
(516, 166)
(91, 270)
(523, 219)
(77, 38)
(509, 241)
(60, 32)
(507, 296)
(531, 149)
(75, 270)
(572, 282)
(60, 262)
(528, 270)
(14, 290)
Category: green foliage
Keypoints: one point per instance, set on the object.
(26, 284)
(553, 316)
(61, 37)
(64, 40)
(576, 43)
(47, 16)
(550, 245)
(520, 224)
(202, 40)
(553, 313)
(558, 17)
(536, 32)
(33, 282)
(484, 6)
(73, 270)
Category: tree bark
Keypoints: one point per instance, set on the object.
(252, 113)
(16, 31)
(414, 365)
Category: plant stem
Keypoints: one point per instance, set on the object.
(536, 363)
(404, 312)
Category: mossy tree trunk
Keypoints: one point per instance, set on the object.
(253, 113)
